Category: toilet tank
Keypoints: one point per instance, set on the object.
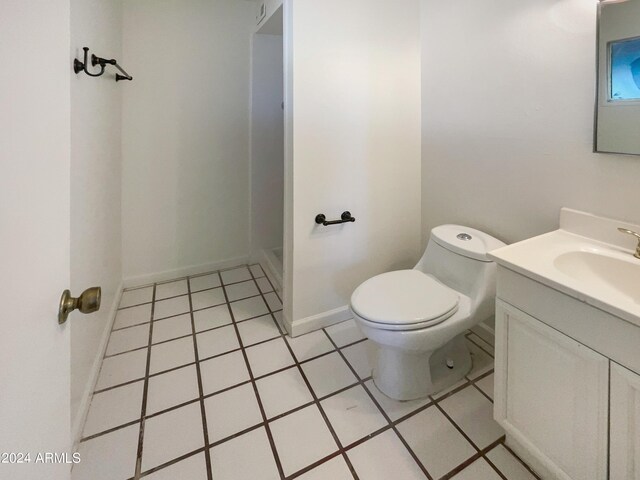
(457, 257)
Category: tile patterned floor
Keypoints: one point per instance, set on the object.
(199, 382)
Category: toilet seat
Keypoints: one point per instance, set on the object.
(404, 300)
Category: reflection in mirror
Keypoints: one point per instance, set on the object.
(618, 97)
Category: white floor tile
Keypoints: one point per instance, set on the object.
(435, 441)
(283, 391)
(172, 388)
(171, 307)
(171, 289)
(137, 296)
(482, 362)
(361, 357)
(310, 345)
(443, 393)
(258, 330)
(473, 413)
(132, 316)
(384, 457)
(191, 468)
(108, 457)
(242, 290)
(257, 270)
(478, 470)
(212, 318)
(231, 412)
(248, 308)
(345, 333)
(353, 414)
(486, 385)
(204, 282)
(113, 408)
(394, 408)
(223, 372)
(328, 374)
(171, 328)
(509, 465)
(334, 469)
(236, 275)
(248, 456)
(301, 439)
(122, 368)
(264, 285)
(172, 434)
(128, 339)
(207, 298)
(268, 357)
(217, 341)
(171, 354)
(273, 301)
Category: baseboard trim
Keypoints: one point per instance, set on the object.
(316, 322)
(485, 332)
(267, 260)
(85, 403)
(146, 279)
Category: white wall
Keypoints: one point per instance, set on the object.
(185, 134)
(267, 143)
(95, 190)
(354, 96)
(508, 97)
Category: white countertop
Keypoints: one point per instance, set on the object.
(604, 275)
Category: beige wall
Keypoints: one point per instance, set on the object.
(508, 96)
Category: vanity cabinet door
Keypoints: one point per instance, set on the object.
(625, 424)
(551, 397)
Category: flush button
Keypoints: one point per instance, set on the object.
(464, 236)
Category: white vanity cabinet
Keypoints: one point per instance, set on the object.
(625, 424)
(567, 370)
(551, 397)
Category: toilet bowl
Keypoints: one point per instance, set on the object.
(418, 318)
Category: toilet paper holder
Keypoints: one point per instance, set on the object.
(346, 217)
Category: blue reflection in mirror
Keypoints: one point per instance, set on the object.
(625, 69)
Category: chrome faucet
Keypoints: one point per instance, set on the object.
(635, 234)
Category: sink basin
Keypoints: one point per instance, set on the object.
(587, 258)
(615, 275)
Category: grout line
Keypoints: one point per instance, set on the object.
(205, 432)
(253, 381)
(491, 354)
(476, 456)
(480, 453)
(172, 462)
(129, 382)
(136, 305)
(381, 410)
(313, 393)
(529, 469)
(110, 430)
(317, 401)
(145, 391)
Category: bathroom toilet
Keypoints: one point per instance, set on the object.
(417, 318)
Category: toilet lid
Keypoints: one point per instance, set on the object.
(404, 297)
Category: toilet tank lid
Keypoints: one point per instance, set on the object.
(466, 241)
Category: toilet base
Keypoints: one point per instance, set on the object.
(405, 375)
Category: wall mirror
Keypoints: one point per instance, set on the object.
(618, 63)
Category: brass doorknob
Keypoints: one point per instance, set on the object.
(87, 302)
